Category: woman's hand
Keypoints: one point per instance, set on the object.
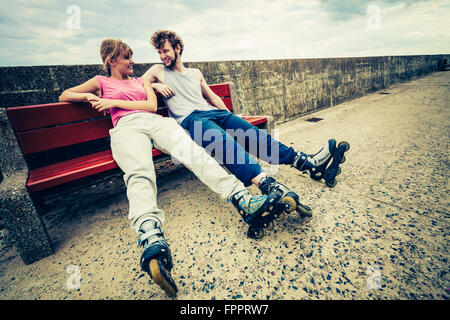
(89, 96)
(100, 104)
(164, 89)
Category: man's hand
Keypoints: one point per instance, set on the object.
(164, 89)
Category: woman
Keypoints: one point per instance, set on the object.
(136, 130)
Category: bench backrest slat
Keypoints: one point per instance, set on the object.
(228, 103)
(222, 89)
(50, 126)
(224, 92)
(46, 115)
(61, 136)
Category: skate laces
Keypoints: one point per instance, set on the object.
(247, 203)
(251, 204)
(266, 184)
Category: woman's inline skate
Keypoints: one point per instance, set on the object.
(156, 259)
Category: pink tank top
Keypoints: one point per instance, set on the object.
(131, 90)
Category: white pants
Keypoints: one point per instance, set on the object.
(132, 141)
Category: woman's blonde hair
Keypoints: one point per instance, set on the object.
(111, 49)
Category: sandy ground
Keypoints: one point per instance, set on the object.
(381, 233)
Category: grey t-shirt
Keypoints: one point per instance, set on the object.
(188, 93)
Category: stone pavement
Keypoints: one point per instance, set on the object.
(381, 233)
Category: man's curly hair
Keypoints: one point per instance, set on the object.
(159, 38)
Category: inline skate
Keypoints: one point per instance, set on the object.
(289, 197)
(318, 166)
(258, 212)
(156, 259)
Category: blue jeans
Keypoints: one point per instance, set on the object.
(230, 139)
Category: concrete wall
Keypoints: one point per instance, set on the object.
(285, 89)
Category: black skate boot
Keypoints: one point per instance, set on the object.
(156, 259)
(259, 212)
(316, 165)
(289, 197)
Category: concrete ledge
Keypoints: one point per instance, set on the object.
(285, 89)
(18, 211)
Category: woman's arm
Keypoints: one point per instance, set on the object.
(86, 93)
(150, 104)
(82, 93)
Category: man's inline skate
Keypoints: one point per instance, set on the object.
(289, 197)
(156, 259)
(316, 165)
(260, 211)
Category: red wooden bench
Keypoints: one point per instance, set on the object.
(51, 127)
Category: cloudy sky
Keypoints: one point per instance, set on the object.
(51, 32)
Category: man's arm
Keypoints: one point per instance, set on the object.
(155, 75)
(209, 95)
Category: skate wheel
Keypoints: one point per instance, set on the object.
(290, 204)
(157, 276)
(338, 171)
(259, 234)
(269, 226)
(344, 144)
(342, 159)
(331, 183)
(255, 234)
(281, 217)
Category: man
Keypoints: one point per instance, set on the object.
(186, 94)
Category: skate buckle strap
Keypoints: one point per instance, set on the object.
(148, 234)
(266, 184)
(304, 157)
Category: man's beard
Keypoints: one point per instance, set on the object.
(172, 64)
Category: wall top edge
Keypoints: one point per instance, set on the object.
(231, 61)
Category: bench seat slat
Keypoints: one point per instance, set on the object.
(45, 115)
(255, 120)
(71, 170)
